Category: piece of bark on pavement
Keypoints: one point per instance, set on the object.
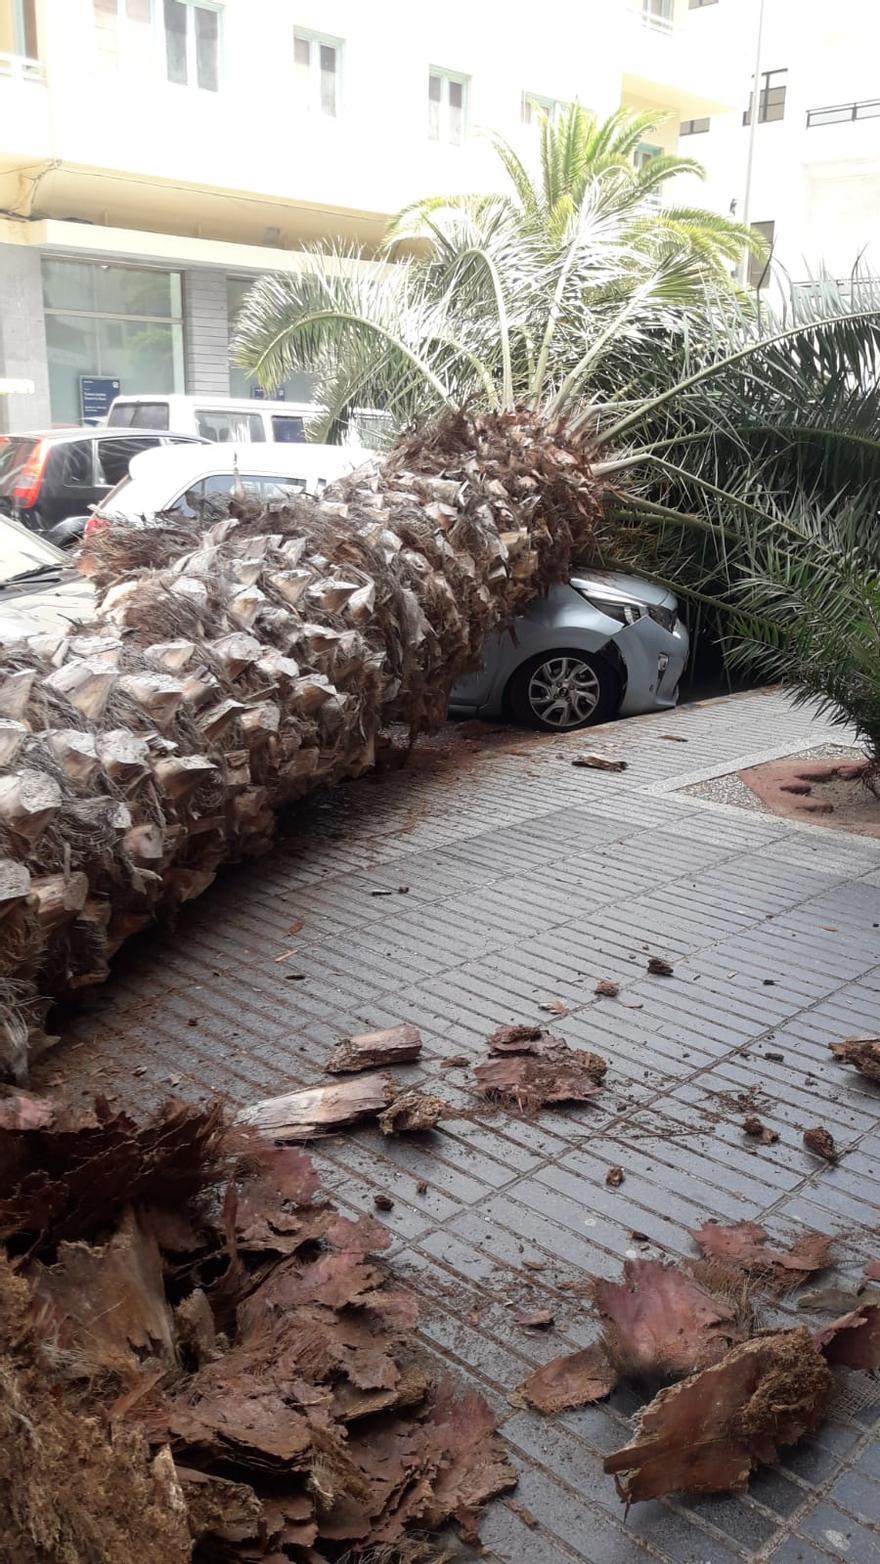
(535, 1319)
(560, 1075)
(758, 1131)
(607, 989)
(411, 1113)
(745, 1244)
(854, 1339)
(658, 966)
(574, 1380)
(658, 1322)
(821, 1142)
(708, 1433)
(600, 763)
(515, 1039)
(315, 1111)
(375, 1050)
(863, 1053)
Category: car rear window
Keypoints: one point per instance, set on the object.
(150, 415)
(222, 425)
(113, 456)
(288, 430)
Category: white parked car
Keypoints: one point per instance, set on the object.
(196, 482)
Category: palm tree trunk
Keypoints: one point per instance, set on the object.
(228, 673)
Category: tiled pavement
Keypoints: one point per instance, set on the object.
(527, 881)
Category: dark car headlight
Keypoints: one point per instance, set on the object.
(665, 617)
(631, 613)
(624, 613)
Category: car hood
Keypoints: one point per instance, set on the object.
(53, 608)
(614, 584)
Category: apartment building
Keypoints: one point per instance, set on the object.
(157, 155)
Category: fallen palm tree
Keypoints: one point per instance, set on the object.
(231, 672)
(229, 1360)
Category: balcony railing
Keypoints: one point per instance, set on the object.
(22, 69)
(844, 113)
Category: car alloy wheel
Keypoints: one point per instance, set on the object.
(563, 692)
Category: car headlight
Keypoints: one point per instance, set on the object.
(630, 613)
(666, 617)
(625, 613)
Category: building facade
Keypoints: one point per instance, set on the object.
(815, 185)
(157, 155)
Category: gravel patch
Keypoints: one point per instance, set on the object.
(728, 789)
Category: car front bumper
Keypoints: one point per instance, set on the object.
(654, 660)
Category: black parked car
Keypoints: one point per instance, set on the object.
(47, 477)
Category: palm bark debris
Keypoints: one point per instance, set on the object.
(225, 1353)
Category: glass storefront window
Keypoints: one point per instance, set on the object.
(119, 321)
(299, 388)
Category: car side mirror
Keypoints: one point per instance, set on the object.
(65, 533)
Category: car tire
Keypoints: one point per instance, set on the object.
(582, 675)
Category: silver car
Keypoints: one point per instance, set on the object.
(605, 645)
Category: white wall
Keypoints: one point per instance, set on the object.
(252, 136)
(821, 186)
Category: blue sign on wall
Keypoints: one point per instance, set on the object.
(96, 392)
(267, 396)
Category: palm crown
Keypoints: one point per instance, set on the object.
(714, 427)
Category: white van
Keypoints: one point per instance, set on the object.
(221, 418)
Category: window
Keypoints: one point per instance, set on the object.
(223, 424)
(759, 265)
(77, 470)
(316, 64)
(119, 321)
(113, 456)
(659, 13)
(534, 106)
(281, 490)
(149, 415)
(139, 415)
(447, 107)
(697, 5)
(645, 154)
(192, 44)
(299, 388)
(289, 430)
(122, 29)
(209, 500)
(694, 127)
(771, 99)
(24, 29)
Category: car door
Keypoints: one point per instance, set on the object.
(68, 487)
(112, 458)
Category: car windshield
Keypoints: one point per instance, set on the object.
(22, 552)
